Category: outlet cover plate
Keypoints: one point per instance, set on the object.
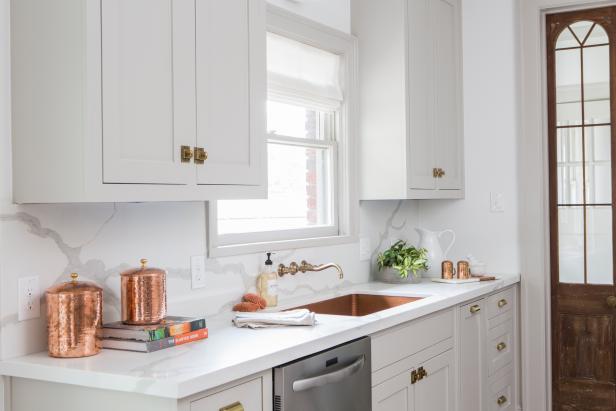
(28, 298)
(197, 271)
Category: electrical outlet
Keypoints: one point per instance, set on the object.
(497, 203)
(197, 271)
(29, 298)
(365, 249)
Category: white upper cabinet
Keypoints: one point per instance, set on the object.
(411, 100)
(140, 100)
(230, 85)
(148, 86)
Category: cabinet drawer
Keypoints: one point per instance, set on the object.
(408, 339)
(500, 346)
(500, 396)
(244, 397)
(500, 303)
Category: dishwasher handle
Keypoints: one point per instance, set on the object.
(330, 378)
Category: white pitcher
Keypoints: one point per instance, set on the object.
(430, 240)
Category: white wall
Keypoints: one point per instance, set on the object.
(490, 132)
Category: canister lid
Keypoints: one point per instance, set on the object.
(143, 270)
(74, 287)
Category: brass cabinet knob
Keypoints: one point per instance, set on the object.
(611, 301)
(435, 172)
(502, 400)
(186, 154)
(475, 309)
(502, 303)
(501, 346)
(200, 155)
(422, 373)
(441, 173)
(236, 406)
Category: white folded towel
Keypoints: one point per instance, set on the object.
(301, 316)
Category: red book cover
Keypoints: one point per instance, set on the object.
(191, 336)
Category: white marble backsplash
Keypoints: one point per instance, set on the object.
(99, 241)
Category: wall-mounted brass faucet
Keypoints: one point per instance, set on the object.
(304, 266)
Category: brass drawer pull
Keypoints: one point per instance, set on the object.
(501, 346)
(418, 375)
(236, 406)
(502, 400)
(200, 155)
(475, 309)
(186, 154)
(502, 303)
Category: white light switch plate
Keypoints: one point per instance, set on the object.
(497, 203)
(365, 249)
(29, 298)
(197, 271)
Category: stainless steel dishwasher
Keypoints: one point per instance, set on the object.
(334, 380)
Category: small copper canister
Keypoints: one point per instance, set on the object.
(464, 271)
(144, 295)
(447, 270)
(74, 319)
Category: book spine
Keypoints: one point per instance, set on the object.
(197, 335)
(176, 329)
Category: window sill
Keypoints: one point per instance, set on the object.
(255, 248)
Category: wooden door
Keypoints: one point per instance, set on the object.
(394, 394)
(471, 349)
(148, 90)
(436, 391)
(231, 91)
(581, 64)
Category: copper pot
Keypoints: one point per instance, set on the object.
(144, 295)
(74, 319)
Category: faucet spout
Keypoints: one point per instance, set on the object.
(305, 266)
(293, 268)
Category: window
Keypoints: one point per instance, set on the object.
(311, 199)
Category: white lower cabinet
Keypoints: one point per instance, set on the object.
(243, 397)
(487, 353)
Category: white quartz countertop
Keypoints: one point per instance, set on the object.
(231, 353)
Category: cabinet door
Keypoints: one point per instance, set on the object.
(148, 90)
(231, 95)
(471, 349)
(446, 46)
(436, 391)
(421, 148)
(394, 394)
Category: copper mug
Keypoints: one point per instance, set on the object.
(464, 270)
(144, 295)
(447, 270)
(74, 319)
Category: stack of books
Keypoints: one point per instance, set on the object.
(170, 332)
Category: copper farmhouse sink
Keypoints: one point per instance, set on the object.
(358, 305)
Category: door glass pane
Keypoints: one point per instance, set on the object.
(598, 165)
(581, 29)
(568, 87)
(566, 40)
(596, 85)
(571, 244)
(599, 245)
(569, 165)
(597, 36)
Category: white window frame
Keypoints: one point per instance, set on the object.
(344, 186)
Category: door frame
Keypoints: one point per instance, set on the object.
(534, 204)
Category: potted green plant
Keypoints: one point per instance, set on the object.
(402, 263)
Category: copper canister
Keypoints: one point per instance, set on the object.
(447, 271)
(464, 271)
(74, 319)
(144, 295)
